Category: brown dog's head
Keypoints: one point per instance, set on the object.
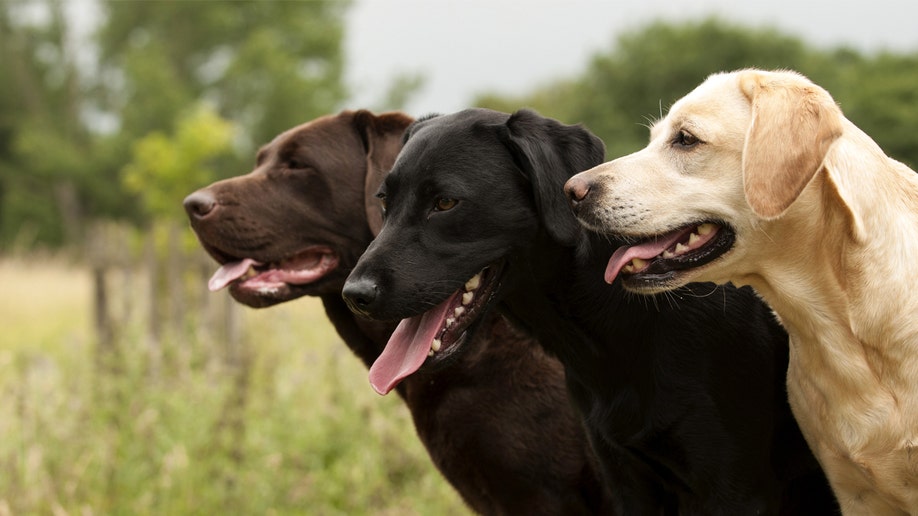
(730, 156)
(299, 221)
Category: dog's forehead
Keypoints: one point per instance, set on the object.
(716, 102)
(285, 141)
(448, 155)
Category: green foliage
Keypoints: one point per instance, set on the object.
(165, 168)
(43, 146)
(266, 65)
(631, 85)
(655, 65)
(880, 95)
(69, 121)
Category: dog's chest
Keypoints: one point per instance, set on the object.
(861, 429)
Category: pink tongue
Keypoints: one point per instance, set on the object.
(644, 251)
(408, 347)
(229, 272)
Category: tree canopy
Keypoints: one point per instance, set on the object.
(72, 112)
(632, 84)
(87, 128)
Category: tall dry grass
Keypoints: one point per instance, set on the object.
(282, 423)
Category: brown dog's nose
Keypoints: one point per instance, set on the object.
(577, 188)
(200, 204)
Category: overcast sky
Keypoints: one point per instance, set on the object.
(464, 47)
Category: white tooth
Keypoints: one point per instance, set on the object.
(705, 228)
(450, 322)
(693, 238)
(467, 297)
(628, 268)
(473, 283)
(638, 263)
(250, 273)
(668, 254)
(430, 353)
(435, 345)
(459, 311)
(681, 249)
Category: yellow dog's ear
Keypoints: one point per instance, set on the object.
(794, 122)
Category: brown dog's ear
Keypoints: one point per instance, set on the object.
(382, 138)
(794, 122)
(549, 153)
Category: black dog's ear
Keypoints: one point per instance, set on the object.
(549, 153)
(382, 139)
(417, 123)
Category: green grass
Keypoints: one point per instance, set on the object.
(286, 425)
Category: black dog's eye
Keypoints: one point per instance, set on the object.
(445, 204)
(685, 139)
(382, 200)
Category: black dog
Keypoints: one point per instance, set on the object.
(683, 396)
(497, 422)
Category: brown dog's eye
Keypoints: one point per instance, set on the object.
(444, 204)
(686, 139)
(294, 164)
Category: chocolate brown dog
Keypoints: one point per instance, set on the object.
(497, 422)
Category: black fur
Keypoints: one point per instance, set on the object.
(496, 422)
(683, 395)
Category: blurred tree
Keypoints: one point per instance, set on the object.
(267, 66)
(71, 109)
(45, 148)
(167, 167)
(646, 70)
(880, 95)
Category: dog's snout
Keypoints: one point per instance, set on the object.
(360, 295)
(577, 188)
(200, 204)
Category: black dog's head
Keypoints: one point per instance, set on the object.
(466, 194)
(297, 223)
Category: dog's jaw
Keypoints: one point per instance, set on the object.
(266, 282)
(430, 339)
(670, 260)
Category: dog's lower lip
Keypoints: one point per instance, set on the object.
(664, 267)
(473, 302)
(275, 278)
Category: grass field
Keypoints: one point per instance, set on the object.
(295, 429)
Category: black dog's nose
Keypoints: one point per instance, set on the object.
(200, 204)
(360, 295)
(577, 188)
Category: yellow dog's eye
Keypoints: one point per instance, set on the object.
(686, 139)
(444, 204)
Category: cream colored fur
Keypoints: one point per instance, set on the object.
(827, 233)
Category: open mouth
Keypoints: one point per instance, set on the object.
(437, 333)
(658, 258)
(252, 276)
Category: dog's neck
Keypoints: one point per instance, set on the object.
(365, 338)
(542, 300)
(839, 268)
(847, 249)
